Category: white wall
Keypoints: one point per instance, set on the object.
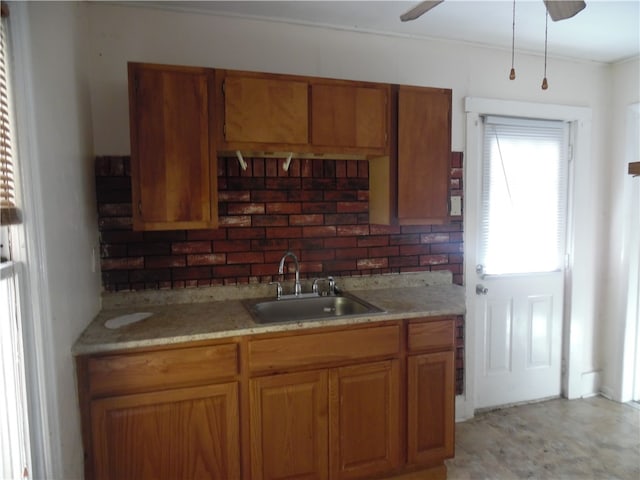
(56, 145)
(617, 355)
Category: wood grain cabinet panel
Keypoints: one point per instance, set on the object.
(264, 109)
(144, 371)
(350, 116)
(365, 419)
(184, 433)
(173, 155)
(431, 335)
(430, 407)
(289, 427)
(424, 155)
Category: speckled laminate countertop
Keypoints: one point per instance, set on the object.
(204, 316)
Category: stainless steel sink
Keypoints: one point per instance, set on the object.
(308, 308)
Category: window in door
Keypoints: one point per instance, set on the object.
(524, 202)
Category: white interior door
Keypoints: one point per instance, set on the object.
(519, 256)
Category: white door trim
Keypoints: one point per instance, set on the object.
(580, 277)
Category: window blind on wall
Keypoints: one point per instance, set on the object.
(9, 213)
(524, 195)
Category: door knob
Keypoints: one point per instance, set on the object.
(481, 290)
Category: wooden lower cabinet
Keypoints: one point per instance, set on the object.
(364, 419)
(339, 423)
(289, 427)
(430, 407)
(172, 434)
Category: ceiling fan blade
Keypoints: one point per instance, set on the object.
(419, 9)
(563, 9)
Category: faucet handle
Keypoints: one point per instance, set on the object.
(278, 289)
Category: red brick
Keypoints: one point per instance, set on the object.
(456, 159)
(384, 229)
(113, 250)
(363, 196)
(412, 261)
(314, 255)
(227, 271)
(284, 232)
(311, 267)
(337, 266)
(352, 169)
(234, 196)
(319, 232)
(268, 196)
(373, 241)
(245, 257)
(456, 172)
(235, 221)
(121, 236)
(245, 208)
(114, 210)
(264, 269)
(269, 220)
(306, 167)
(165, 261)
(446, 248)
(415, 250)
(415, 229)
(217, 234)
(282, 183)
(307, 243)
(149, 248)
(319, 207)
(383, 251)
(283, 207)
(271, 167)
(269, 244)
(245, 233)
(341, 168)
(345, 253)
(349, 230)
(115, 223)
(305, 196)
(191, 247)
(441, 237)
(373, 263)
(150, 275)
(341, 195)
(231, 245)
(127, 263)
(341, 242)
(433, 259)
(352, 207)
(404, 239)
(341, 218)
(206, 259)
(190, 273)
(161, 236)
(452, 227)
(315, 219)
(363, 169)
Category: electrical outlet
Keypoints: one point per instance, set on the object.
(456, 206)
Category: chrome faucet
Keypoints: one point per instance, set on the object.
(297, 288)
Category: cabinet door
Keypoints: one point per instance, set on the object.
(349, 116)
(364, 419)
(289, 426)
(173, 159)
(265, 110)
(430, 412)
(184, 433)
(424, 155)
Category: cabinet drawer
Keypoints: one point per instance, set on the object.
(315, 349)
(430, 335)
(138, 372)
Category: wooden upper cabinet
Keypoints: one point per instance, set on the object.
(350, 116)
(264, 109)
(424, 155)
(173, 156)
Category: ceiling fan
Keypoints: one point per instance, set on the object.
(558, 10)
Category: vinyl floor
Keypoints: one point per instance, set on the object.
(586, 439)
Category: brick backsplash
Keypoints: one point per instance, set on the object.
(318, 209)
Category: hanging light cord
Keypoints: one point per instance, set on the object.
(512, 73)
(545, 84)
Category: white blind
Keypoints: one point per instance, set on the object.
(8, 210)
(524, 195)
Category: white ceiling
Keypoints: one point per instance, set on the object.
(605, 31)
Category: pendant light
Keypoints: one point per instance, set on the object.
(512, 73)
(545, 84)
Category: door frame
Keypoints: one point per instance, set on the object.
(579, 309)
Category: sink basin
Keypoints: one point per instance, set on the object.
(309, 308)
